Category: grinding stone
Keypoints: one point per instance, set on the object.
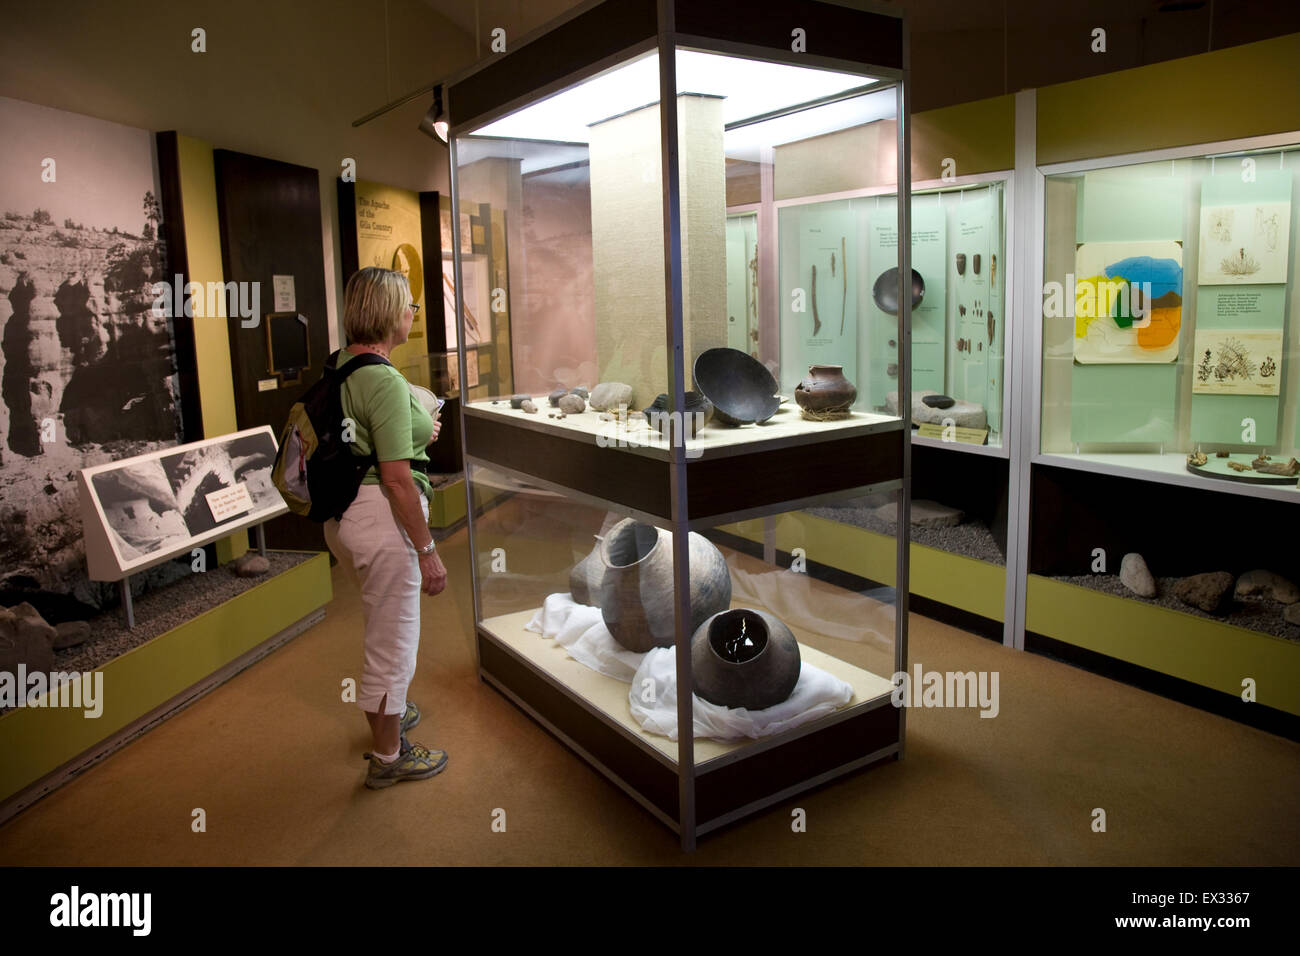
(963, 414)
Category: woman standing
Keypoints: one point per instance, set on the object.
(383, 537)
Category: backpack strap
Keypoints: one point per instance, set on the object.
(358, 361)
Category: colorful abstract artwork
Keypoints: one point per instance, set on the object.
(1244, 244)
(1128, 302)
(1237, 362)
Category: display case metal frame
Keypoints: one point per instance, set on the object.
(694, 799)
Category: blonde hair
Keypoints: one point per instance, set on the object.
(373, 305)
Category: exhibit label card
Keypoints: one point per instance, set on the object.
(285, 298)
(1237, 362)
(228, 502)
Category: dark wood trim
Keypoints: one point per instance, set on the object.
(177, 262)
(602, 31)
(715, 486)
(349, 258)
(655, 781)
(431, 243)
(831, 30)
(768, 772)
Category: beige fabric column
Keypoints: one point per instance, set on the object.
(628, 242)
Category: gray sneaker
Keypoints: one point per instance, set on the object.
(414, 762)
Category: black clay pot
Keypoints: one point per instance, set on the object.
(636, 589)
(744, 658)
(740, 387)
(885, 291)
(698, 412)
(825, 390)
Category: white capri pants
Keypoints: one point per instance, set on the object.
(371, 543)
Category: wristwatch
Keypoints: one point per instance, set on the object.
(428, 548)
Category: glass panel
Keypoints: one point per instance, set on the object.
(1169, 325)
(586, 595)
(573, 184)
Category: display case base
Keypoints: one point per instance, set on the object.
(589, 713)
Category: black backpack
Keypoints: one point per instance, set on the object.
(316, 471)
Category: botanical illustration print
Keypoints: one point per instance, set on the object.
(1220, 225)
(1244, 244)
(1237, 362)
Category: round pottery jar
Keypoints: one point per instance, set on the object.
(744, 658)
(636, 589)
(825, 390)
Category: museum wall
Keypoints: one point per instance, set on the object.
(282, 81)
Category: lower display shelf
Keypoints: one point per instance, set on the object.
(610, 696)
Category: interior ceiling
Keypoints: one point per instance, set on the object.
(966, 50)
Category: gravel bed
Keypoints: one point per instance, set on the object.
(971, 538)
(1264, 616)
(163, 609)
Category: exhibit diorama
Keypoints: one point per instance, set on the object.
(739, 376)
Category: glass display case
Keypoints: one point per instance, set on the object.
(637, 496)
(1169, 338)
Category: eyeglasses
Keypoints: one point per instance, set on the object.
(415, 308)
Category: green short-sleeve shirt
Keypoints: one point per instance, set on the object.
(390, 420)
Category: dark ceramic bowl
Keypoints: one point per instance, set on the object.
(740, 387)
(885, 291)
(697, 414)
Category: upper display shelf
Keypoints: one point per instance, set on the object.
(580, 315)
(1170, 318)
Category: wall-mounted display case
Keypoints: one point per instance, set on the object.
(1169, 318)
(668, 415)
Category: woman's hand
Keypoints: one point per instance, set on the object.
(437, 427)
(433, 576)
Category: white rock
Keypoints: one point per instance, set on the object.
(1136, 576)
(963, 414)
(1266, 584)
(607, 396)
(925, 514)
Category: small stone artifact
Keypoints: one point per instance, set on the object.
(1211, 592)
(608, 396)
(529, 406)
(580, 392)
(698, 412)
(517, 401)
(1288, 470)
(1220, 454)
(740, 387)
(251, 566)
(636, 591)
(555, 396)
(1235, 465)
(572, 404)
(71, 634)
(1196, 458)
(825, 394)
(939, 401)
(922, 514)
(961, 263)
(1136, 576)
(963, 414)
(744, 658)
(25, 638)
(1266, 584)
(975, 265)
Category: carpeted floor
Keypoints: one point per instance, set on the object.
(274, 759)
